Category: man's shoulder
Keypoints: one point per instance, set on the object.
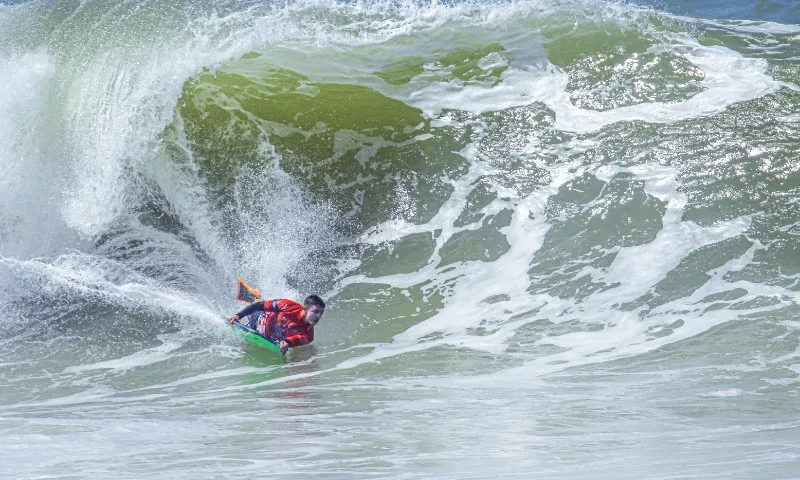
(287, 304)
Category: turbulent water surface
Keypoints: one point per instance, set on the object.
(558, 239)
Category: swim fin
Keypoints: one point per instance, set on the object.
(245, 293)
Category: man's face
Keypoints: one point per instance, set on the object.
(313, 314)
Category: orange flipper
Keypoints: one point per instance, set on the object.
(245, 293)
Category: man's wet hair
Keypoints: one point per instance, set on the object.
(313, 300)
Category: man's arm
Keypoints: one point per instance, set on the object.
(300, 339)
(253, 307)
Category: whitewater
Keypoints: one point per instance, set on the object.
(557, 239)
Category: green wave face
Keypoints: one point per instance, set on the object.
(355, 126)
(348, 144)
(353, 138)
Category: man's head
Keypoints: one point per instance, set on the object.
(315, 307)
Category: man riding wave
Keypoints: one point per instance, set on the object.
(285, 322)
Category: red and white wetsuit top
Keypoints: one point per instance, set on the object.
(283, 320)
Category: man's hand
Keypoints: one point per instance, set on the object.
(234, 318)
(284, 345)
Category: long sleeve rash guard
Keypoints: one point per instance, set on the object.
(282, 320)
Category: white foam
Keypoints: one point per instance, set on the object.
(726, 393)
(148, 356)
(469, 283)
(25, 80)
(634, 271)
(749, 26)
(93, 276)
(793, 118)
(25, 189)
(673, 241)
(729, 78)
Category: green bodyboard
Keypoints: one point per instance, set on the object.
(252, 336)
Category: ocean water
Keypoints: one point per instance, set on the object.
(558, 239)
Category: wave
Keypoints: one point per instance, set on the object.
(562, 183)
